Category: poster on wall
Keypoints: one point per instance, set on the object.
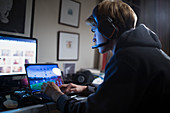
(69, 13)
(16, 17)
(68, 46)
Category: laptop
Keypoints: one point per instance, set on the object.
(37, 74)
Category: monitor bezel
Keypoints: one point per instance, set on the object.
(18, 37)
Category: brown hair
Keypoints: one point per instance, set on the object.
(122, 14)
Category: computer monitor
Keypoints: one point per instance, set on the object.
(15, 51)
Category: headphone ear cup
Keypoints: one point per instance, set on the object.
(107, 28)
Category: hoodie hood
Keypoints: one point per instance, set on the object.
(140, 36)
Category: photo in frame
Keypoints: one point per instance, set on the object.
(69, 13)
(68, 46)
(69, 69)
(16, 17)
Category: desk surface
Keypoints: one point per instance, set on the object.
(39, 108)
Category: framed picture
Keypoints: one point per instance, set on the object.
(16, 17)
(68, 46)
(69, 68)
(69, 13)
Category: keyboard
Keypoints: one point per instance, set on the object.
(42, 97)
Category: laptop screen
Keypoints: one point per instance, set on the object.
(37, 74)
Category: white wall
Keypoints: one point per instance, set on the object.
(46, 27)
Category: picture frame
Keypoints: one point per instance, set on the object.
(17, 17)
(68, 46)
(69, 13)
(69, 69)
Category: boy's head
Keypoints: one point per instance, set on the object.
(121, 14)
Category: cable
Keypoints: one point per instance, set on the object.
(47, 108)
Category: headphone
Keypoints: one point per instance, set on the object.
(105, 25)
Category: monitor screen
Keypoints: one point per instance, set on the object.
(15, 51)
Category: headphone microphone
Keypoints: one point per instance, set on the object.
(100, 45)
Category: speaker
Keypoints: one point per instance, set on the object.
(83, 77)
(106, 27)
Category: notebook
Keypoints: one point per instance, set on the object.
(37, 74)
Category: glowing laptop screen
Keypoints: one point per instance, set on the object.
(39, 73)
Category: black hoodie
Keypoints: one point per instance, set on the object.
(137, 79)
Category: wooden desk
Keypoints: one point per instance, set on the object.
(39, 108)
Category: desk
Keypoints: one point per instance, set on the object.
(39, 108)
